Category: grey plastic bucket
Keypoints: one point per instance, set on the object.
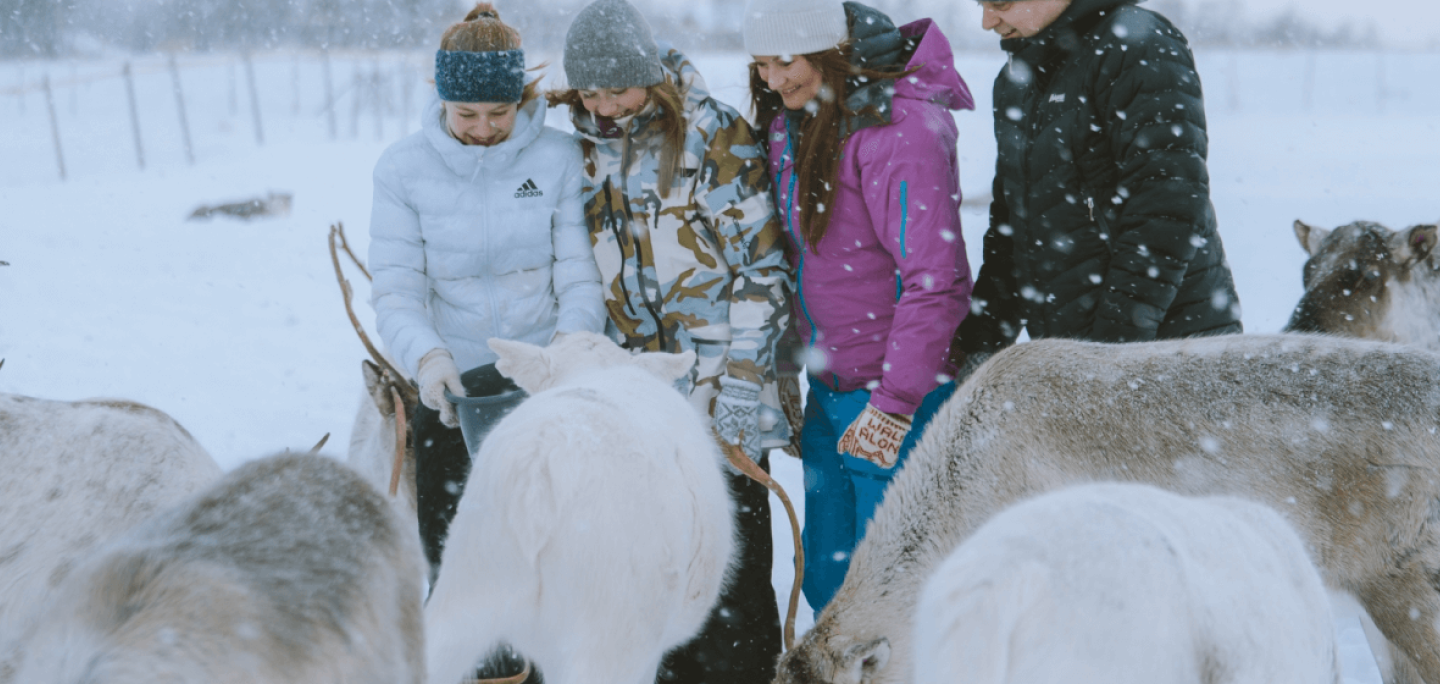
(478, 415)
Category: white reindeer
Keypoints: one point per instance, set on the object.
(595, 531)
(378, 438)
(72, 475)
(291, 569)
(381, 445)
(1338, 435)
(1127, 584)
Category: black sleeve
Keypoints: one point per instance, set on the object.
(1156, 130)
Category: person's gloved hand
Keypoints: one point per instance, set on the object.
(789, 388)
(437, 373)
(876, 436)
(737, 415)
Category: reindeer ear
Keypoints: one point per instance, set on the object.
(526, 364)
(375, 387)
(1410, 246)
(669, 367)
(1310, 237)
(862, 662)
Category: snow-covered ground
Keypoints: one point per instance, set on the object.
(237, 328)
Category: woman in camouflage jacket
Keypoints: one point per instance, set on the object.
(691, 257)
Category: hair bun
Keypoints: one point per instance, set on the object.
(483, 10)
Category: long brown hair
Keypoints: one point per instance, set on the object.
(482, 31)
(822, 135)
(670, 117)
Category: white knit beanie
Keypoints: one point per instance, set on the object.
(793, 27)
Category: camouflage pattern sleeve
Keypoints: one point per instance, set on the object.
(734, 190)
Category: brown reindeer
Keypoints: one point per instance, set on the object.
(73, 474)
(1339, 435)
(1365, 280)
(289, 569)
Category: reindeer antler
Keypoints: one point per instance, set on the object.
(400, 431)
(339, 228)
(396, 378)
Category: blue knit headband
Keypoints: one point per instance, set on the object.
(464, 76)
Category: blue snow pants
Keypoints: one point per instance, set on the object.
(842, 491)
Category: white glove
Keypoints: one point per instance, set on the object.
(436, 374)
(876, 436)
(737, 415)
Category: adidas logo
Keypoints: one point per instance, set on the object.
(529, 189)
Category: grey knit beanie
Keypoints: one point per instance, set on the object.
(793, 27)
(610, 45)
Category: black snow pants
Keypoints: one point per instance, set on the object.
(442, 465)
(740, 642)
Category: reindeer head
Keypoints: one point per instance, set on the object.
(834, 660)
(1365, 280)
(538, 368)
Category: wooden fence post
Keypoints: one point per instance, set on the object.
(357, 92)
(377, 94)
(234, 98)
(134, 115)
(295, 84)
(329, 92)
(1382, 91)
(1307, 84)
(254, 98)
(54, 126)
(180, 108)
(407, 93)
(1233, 67)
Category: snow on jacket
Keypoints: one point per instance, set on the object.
(1101, 228)
(880, 297)
(470, 242)
(704, 268)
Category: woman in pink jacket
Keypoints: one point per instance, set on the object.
(861, 146)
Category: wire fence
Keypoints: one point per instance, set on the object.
(168, 104)
(95, 115)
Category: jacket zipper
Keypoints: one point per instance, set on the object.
(789, 217)
(639, 249)
(485, 240)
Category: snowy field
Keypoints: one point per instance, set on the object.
(237, 328)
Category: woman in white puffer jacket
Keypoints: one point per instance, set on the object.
(477, 232)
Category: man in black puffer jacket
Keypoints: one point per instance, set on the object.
(1101, 227)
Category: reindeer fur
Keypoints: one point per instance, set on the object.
(291, 569)
(1338, 435)
(1127, 584)
(1365, 280)
(73, 474)
(596, 530)
(372, 447)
